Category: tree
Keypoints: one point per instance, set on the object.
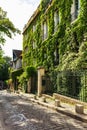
(7, 28)
(4, 67)
(8, 60)
(1, 57)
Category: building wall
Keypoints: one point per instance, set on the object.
(17, 64)
(41, 37)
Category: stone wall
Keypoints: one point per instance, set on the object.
(68, 99)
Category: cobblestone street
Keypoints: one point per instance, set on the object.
(19, 114)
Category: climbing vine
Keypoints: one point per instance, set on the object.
(69, 39)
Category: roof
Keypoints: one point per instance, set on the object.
(34, 15)
(16, 54)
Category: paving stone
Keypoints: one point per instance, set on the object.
(36, 117)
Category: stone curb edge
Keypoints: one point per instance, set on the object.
(58, 109)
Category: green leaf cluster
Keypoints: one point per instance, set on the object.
(4, 66)
(7, 28)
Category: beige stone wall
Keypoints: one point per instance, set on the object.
(68, 99)
(29, 85)
(41, 72)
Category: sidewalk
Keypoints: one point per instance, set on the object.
(64, 108)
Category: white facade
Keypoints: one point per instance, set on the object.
(17, 64)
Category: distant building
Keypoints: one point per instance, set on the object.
(17, 68)
(17, 59)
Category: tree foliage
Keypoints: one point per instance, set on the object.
(1, 58)
(4, 67)
(7, 28)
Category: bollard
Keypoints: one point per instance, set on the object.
(43, 99)
(79, 108)
(57, 103)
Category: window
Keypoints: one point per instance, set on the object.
(56, 20)
(34, 28)
(45, 30)
(56, 56)
(34, 45)
(75, 9)
(34, 61)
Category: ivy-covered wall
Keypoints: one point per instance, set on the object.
(70, 39)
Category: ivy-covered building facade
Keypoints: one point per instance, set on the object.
(55, 36)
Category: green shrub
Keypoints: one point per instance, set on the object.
(30, 71)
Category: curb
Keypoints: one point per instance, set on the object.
(80, 117)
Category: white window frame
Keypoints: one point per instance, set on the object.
(74, 11)
(34, 28)
(45, 30)
(56, 20)
(34, 45)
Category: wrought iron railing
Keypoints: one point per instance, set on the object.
(71, 84)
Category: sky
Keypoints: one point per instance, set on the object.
(19, 12)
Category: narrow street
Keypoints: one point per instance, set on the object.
(19, 114)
